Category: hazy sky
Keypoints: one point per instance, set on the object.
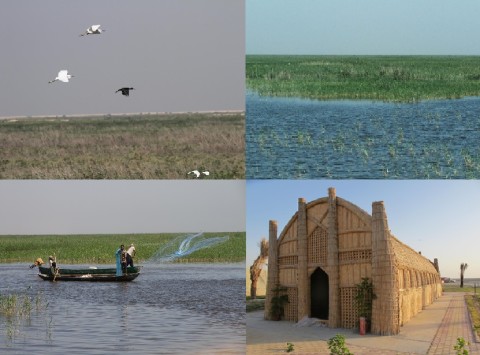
(97, 207)
(179, 55)
(440, 218)
(362, 27)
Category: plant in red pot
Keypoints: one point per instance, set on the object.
(363, 300)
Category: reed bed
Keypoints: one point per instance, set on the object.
(16, 311)
(123, 147)
(382, 144)
(100, 249)
(387, 78)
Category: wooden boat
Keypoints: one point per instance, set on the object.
(90, 277)
(90, 274)
(89, 271)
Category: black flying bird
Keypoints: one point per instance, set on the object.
(125, 91)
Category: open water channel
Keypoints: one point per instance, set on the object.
(291, 138)
(168, 309)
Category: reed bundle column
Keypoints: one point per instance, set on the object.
(332, 261)
(385, 310)
(272, 278)
(302, 271)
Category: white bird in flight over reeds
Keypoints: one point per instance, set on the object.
(93, 30)
(62, 76)
(198, 173)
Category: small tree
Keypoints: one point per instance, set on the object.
(364, 299)
(337, 346)
(463, 267)
(278, 302)
(256, 267)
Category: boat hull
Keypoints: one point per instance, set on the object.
(90, 277)
(99, 271)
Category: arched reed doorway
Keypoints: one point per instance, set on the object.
(319, 294)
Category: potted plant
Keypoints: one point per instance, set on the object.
(364, 299)
(278, 302)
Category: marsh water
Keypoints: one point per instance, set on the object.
(292, 138)
(168, 309)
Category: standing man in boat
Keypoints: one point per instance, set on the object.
(52, 261)
(121, 261)
(130, 255)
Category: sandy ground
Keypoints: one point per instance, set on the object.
(438, 324)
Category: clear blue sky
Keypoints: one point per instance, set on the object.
(440, 218)
(410, 27)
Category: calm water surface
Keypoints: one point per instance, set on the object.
(292, 138)
(168, 309)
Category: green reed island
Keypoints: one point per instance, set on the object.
(385, 78)
(100, 249)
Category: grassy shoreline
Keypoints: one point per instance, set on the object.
(100, 249)
(165, 146)
(386, 78)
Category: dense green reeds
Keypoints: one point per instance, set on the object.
(387, 78)
(123, 147)
(100, 249)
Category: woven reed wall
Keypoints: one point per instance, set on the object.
(349, 313)
(418, 281)
(317, 247)
(317, 214)
(291, 308)
(288, 241)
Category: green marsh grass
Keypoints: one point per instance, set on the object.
(457, 288)
(100, 249)
(386, 78)
(473, 306)
(123, 147)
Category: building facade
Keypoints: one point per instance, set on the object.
(326, 249)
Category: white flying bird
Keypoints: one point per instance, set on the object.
(198, 173)
(93, 30)
(62, 76)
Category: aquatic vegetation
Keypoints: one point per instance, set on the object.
(295, 138)
(16, 311)
(388, 78)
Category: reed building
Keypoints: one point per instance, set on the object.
(326, 249)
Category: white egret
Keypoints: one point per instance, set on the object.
(198, 173)
(125, 91)
(195, 172)
(93, 30)
(62, 76)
